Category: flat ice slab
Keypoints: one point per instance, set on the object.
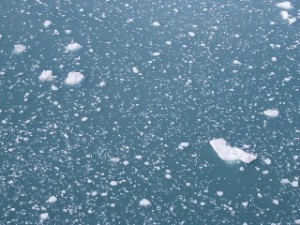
(74, 78)
(272, 113)
(18, 49)
(228, 153)
(285, 5)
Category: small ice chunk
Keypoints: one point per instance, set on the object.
(275, 202)
(113, 183)
(83, 119)
(285, 181)
(295, 183)
(135, 69)
(102, 84)
(192, 34)
(168, 176)
(19, 49)
(183, 145)
(286, 16)
(47, 75)
(267, 161)
(44, 216)
(156, 24)
(73, 47)
(236, 62)
(74, 78)
(47, 23)
(145, 202)
(115, 159)
(228, 153)
(285, 5)
(220, 193)
(274, 59)
(52, 200)
(155, 54)
(297, 221)
(272, 113)
(168, 42)
(54, 88)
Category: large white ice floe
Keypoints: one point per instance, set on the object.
(47, 75)
(228, 153)
(74, 78)
(73, 47)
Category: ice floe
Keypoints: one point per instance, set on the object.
(52, 200)
(145, 202)
(47, 23)
(73, 47)
(74, 78)
(228, 153)
(18, 49)
(272, 113)
(284, 5)
(47, 75)
(183, 145)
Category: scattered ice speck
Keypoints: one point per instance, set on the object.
(220, 193)
(183, 145)
(52, 200)
(139, 157)
(245, 204)
(115, 159)
(267, 161)
(113, 183)
(74, 78)
(168, 176)
(47, 75)
(73, 47)
(228, 153)
(242, 168)
(135, 69)
(284, 5)
(168, 42)
(275, 202)
(18, 49)
(272, 113)
(145, 202)
(68, 31)
(103, 194)
(265, 172)
(192, 34)
(295, 183)
(155, 54)
(54, 88)
(44, 216)
(47, 23)
(102, 84)
(83, 119)
(126, 163)
(236, 62)
(156, 24)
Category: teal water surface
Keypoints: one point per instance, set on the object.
(103, 145)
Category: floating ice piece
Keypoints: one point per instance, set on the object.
(297, 221)
(236, 62)
(47, 23)
(286, 16)
(135, 69)
(47, 75)
(192, 34)
(228, 153)
(52, 200)
(155, 54)
(272, 113)
(73, 47)
(74, 78)
(44, 216)
(113, 183)
(145, 202)
(19, 49)
(285, 5)
(220, 193)
(156, 24)
(183, 145)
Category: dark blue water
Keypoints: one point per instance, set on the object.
(103, 145)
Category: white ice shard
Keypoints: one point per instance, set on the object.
(228, 153)
(74, 78)
(183, 145)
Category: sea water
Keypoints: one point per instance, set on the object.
(108, 109)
